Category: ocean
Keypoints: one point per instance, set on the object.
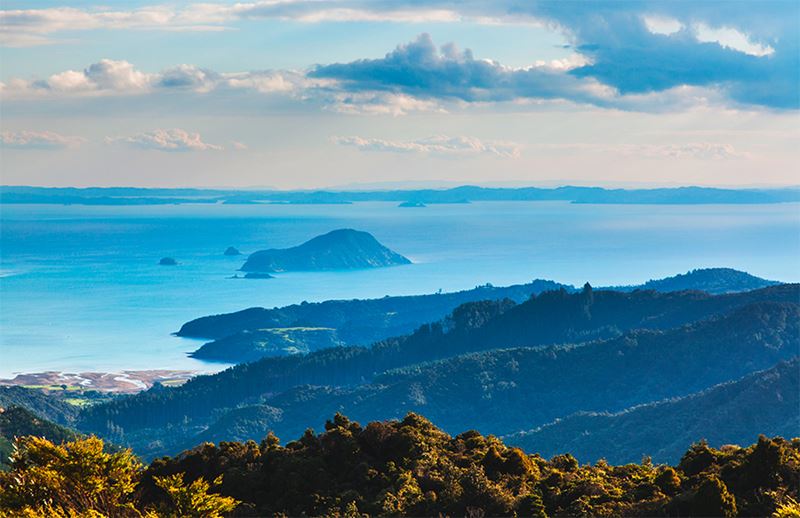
(81, 288)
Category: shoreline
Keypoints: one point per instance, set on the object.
(120, 382)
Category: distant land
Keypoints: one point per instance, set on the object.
(240, 336)
(464, 194)
(478, 368)
(711, 280)
(342, 249)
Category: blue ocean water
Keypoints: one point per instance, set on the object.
(81, 290)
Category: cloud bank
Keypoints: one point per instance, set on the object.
(38, 140)
(436, 145)
(741, 53)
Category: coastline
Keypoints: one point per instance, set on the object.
(121, 382)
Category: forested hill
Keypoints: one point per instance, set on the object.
(398, 468)
(48, 407)
(725, 414)
(243, 336)
(710, 280)
(17, 421)
(507, 390)
(360, 321)
(551, 318)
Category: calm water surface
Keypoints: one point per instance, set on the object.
(81, 290)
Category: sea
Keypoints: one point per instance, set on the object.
(81, 288)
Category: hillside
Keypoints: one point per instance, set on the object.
(503, 391)
(247, 346)
(548, 319)
(40, 402)
(360, 321)
(17, 421)
(725, 414)
(337, 250)
(711, 280)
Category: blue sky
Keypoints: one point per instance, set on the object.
(301, 93)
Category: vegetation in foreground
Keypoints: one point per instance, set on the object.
(405, 468)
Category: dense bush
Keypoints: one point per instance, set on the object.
(407, 468)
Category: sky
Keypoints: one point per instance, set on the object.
(312, 93)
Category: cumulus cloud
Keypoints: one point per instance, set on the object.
(436, 145)
(110, 77)
(422, 70)
(166, 140)
(38, 140)
(752, 53)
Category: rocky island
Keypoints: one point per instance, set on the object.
(343, 249)
(232, 251)
(167, 261)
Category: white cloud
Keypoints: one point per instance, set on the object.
(110, 77)
(436, 145)
(28, 27)
(731, 38)
(662, 25)
(38, 140)
(380, 103)
(693, 150)
(167, 140)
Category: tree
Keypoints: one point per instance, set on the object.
(194, 500)
(714, 499)
(75, 478)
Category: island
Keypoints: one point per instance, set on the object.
(167, 261)
(232, 251)
(343, 249)
(412, 204)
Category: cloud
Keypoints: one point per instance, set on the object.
(166, 140)
(679, 151)
(422, 70)
(635, 55)
(379, 103)
(38, 140)
(110, 77)
(29, 27)
(751, 53)
(436, 145)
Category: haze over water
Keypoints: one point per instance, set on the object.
(81, 288)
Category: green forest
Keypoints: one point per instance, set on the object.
(398, 468)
